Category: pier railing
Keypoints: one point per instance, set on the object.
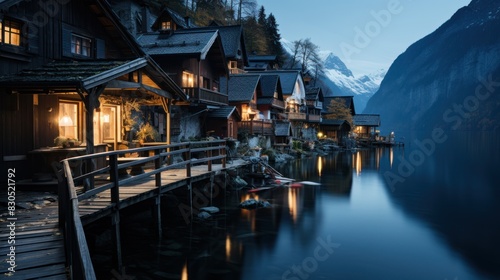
(111, 177)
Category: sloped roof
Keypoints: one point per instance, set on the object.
(335, 123)
(282, 129)
(348, 101)
(287, 79)
(260, 62)
(232, 38)
(241, 88)
(67, 76)
(182, 42)
(179, 20)
(223, 112)
(366, 120)
(315, 93)
(270, 84)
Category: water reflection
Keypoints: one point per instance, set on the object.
(439, 223)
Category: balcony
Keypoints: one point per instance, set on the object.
(296, 116)
(206, 96)
(278, 104)
(314, 118)
(262, 127)
(314, 103)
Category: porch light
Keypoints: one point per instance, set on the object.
(66, 121)
(320, 134)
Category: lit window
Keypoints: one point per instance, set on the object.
(80, 45)
(166, 25)
(187, 79)
(10, 32)
(68, 119)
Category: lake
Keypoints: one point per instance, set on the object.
(429, 210)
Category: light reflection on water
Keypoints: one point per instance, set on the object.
(431, 226)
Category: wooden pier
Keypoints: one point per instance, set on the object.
(87, 195)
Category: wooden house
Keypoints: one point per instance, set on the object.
(223, 122)
(337, 129)
(366, 125)
(70, 75)
(243, 93)
(294, 94)
(314, 101)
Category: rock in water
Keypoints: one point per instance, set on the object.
(204, 215)
(210, 209)
(253, 203)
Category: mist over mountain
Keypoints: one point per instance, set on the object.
(448, 79)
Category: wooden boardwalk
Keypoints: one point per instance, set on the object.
(39, 244)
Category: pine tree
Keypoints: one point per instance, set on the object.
(274, 40)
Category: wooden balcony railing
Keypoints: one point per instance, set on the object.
(207, 96)
(278, 103)
(315, 104)
(296, 116)
(237, 71)
(313, 118)
(262, 127)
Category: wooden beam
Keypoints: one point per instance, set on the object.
(124, 85)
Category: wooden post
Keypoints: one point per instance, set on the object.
(209, 154)
(188, 159)
(224, 159)
(157, 215)
(157, 166)
(115, 217)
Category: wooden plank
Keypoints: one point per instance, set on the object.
(56, 271)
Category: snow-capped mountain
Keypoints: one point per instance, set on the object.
(339, 80)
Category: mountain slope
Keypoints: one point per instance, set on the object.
(340, 81)
(447, 79)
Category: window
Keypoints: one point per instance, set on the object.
(233, 64)
(80, 45)
(166, 25)
(187, 79)
(68, 119)
(10, 32)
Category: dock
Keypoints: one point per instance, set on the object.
(51, 241)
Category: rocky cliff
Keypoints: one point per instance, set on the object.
(448, 79)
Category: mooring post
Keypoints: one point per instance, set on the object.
(211, 187)
(115, 216)
(115, 235)
(157, 216)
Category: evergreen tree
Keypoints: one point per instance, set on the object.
(254, 36)
(274, 39)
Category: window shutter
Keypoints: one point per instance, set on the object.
(33, 41)
(100, 46)
(66, 42)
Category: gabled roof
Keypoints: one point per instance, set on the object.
(232, 38)
(261, 62)
(288, 78)
(269, 85)
(282, 129)
(241, 88)
(366, 120)
(315, 93)
(179, 20)
(335, 123)
(182, 42)
(69, 76)
(224, 112)
(348, 101)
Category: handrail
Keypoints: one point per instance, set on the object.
(78, 255)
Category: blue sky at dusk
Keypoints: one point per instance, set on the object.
(366, 34)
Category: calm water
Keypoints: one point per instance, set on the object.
(426, 211)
